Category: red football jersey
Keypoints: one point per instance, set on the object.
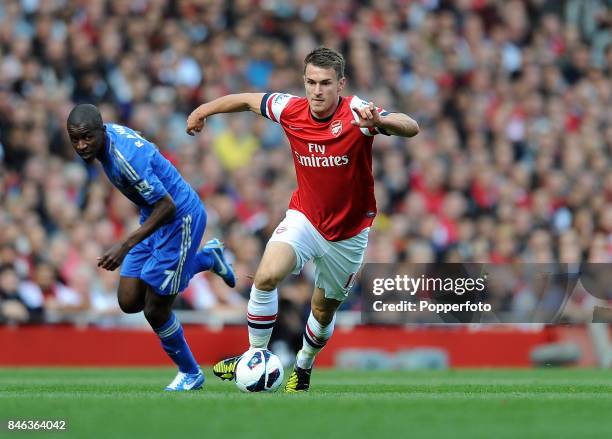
(333, 163)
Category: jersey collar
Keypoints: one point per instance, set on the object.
(328, 118)
(107, 144)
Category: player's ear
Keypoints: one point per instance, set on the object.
(341, 84)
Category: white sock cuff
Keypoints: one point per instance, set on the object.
(318, 328)
(260, 296)
(262, 309)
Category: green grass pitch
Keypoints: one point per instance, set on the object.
(130, 403)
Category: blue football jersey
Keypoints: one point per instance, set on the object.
(136, 167)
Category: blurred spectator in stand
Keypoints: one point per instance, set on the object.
(512, 98)
(16, 302)
(59, 300)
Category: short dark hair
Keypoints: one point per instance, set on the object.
(326, 58)
(85, 114)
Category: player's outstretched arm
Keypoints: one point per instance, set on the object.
(226, 104)
(397, 124)
(163, 211)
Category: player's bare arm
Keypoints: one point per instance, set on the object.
(163, 211)
(397, 124)
(226, 104)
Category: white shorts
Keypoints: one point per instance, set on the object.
(336, 262)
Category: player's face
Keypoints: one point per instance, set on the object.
(322, 89)
(86, 141)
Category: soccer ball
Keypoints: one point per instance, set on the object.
(259, 370)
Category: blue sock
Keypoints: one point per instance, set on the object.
(204, 260)
(174, 343)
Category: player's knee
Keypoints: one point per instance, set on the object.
(323, 315)
(128, 305)
(266, 280)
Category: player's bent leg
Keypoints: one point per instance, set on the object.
(131, 294)
(158, 312)
(277, 262)
(211, 256)
(319, 329)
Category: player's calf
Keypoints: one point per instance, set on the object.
(170, 332)
(262, 310)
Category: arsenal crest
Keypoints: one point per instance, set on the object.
(336, 127)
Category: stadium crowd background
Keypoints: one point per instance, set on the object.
(512, 163)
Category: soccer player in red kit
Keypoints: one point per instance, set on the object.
(331, 211)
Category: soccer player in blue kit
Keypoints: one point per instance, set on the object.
(159, 258)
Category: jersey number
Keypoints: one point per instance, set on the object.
(169, 275)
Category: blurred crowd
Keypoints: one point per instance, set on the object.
(512, 164)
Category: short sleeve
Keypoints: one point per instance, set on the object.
(138, 171)
(357, 102)
(273, 104)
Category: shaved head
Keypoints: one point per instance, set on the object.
(86, 116)
(86, 131)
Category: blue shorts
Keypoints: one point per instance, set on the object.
(164, 259)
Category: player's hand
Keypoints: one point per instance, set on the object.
(369, 117)
(113, 257)
(195, 122)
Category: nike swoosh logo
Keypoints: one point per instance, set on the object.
(295, 128)
(223, 270)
